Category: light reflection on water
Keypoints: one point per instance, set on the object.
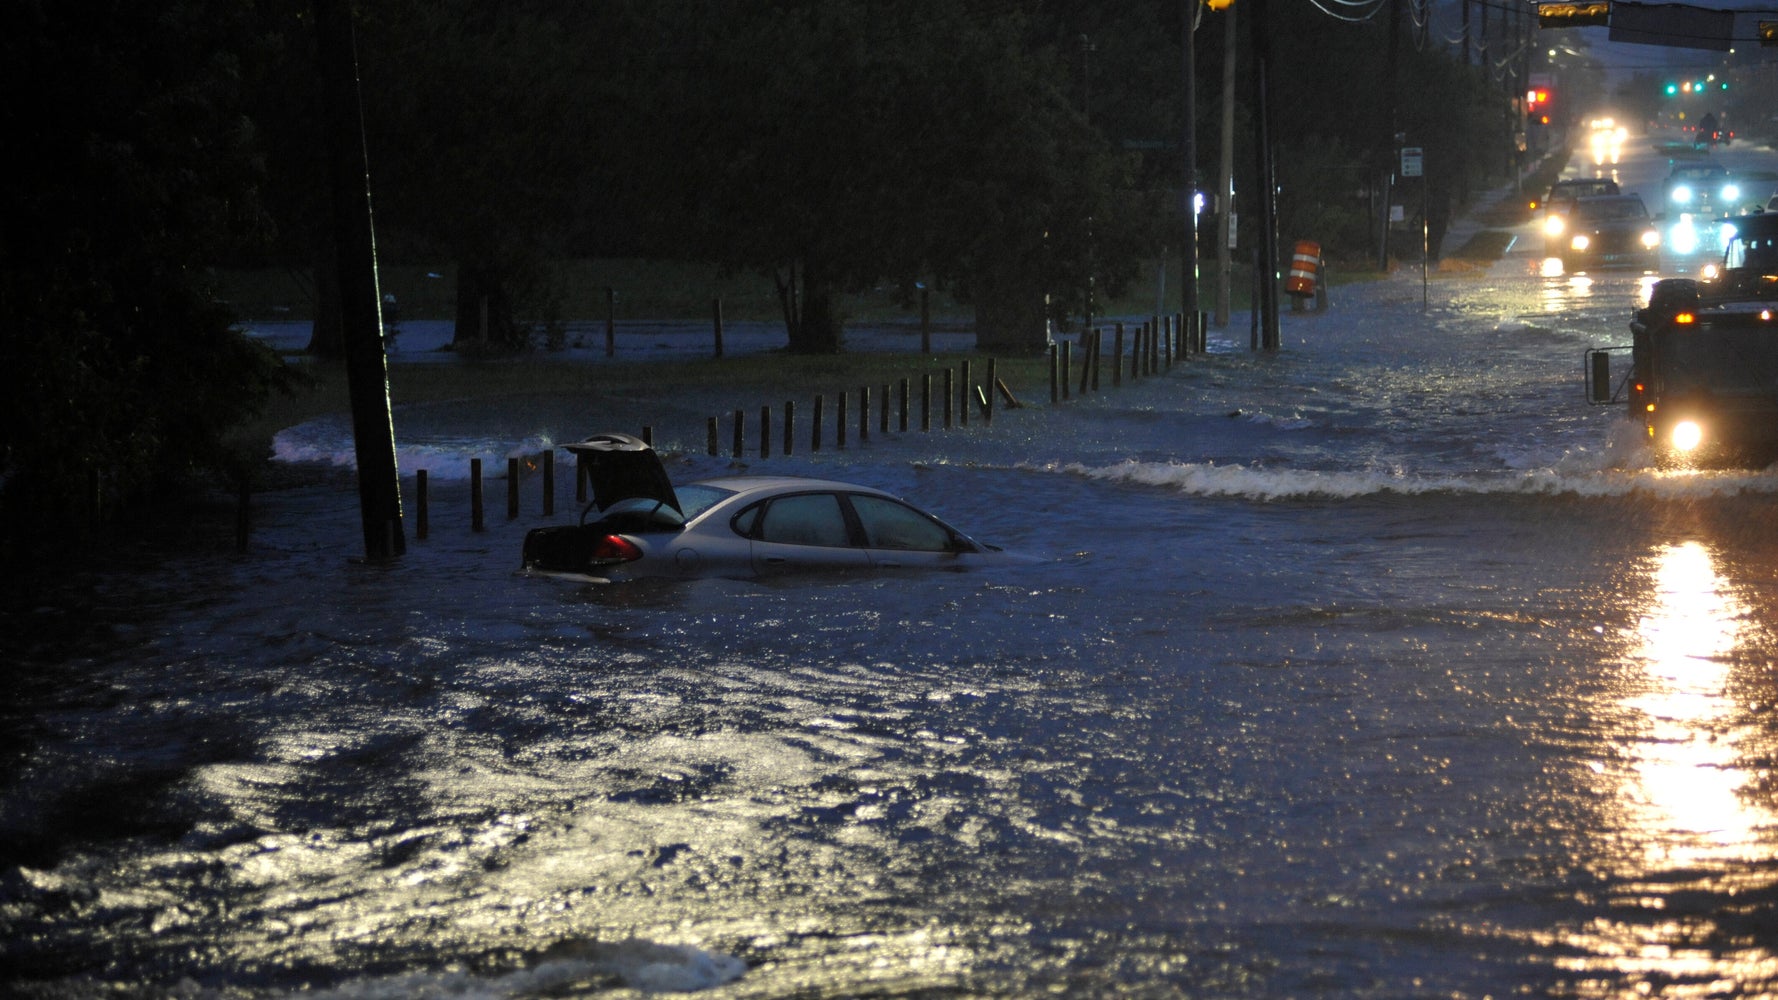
(1685, 827)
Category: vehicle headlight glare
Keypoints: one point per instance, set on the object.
(1682, 194)
(1730, 192)
(1687, 435)
(1651, 239)
(1552, 226)
(1580, 242)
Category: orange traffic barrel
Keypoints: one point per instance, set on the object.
(1305, 262)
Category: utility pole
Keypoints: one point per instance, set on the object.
(1267, 284)
(1188, 272)
(367, 367)
(1225, 172)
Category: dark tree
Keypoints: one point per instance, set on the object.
(134, 169)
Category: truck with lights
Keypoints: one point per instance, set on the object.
(1703, 359)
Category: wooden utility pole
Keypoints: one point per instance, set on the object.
(1225, 172)
(1266, 286)
(1188, 272)
(367, 368)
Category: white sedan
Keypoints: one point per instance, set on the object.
(639, 525)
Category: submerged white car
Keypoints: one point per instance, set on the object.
(639, 525)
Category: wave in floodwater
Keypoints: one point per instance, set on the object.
(1253, 482)
(569, 968)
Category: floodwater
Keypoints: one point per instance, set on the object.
(1381, 666)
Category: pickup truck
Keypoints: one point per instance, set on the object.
(1703, 375)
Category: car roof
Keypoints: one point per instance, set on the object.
(1598, 182)
(757, 484)
(1761, 226)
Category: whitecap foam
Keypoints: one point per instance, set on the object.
(634, 963)
(1255, 482)
(327, 442)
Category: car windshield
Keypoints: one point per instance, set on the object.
(1628, 208)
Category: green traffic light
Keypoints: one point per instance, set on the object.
(1672, 89)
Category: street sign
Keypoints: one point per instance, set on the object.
(1412, 160)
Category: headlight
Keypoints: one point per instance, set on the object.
(1681, 193)
(1730, 192)
(1651, 239)
(1553, 225)
(1687, 435)
(1580, 242)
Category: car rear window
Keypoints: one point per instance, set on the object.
(694, 499)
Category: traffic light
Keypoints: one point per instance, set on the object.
(1768, 32)
(1672, 89)
(1573, 13)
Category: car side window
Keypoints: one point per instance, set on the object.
(892, 525)
(805, 519)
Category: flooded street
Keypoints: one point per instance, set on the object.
(1382, 666)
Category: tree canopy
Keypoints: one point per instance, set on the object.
(1015, 153)
(137, 168)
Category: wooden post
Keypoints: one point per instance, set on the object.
(1067, 363)
(925, 320)
(902, 424)
(988, 397)
(243, 513)
(839, 423)
(610, 321)
(1089, 343)
(963, 414)
(422, 521)
(863, 414)
(1167, 338)
(815, 425)
(716, 309)
(1098, 355)
(1117, 356)
(740, 434)
(475, 494)
(1055, 357)
(549, 482)
(925, 401)
(512, 488)
(765, 432)
(710, 435)
(950, 396)
(789, 427)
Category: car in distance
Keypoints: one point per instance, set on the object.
(1701, 187)
(1606, 231)
(639, 525)
(1560, 201)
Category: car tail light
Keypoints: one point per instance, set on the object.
(613, 549)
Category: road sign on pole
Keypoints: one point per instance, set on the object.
(1413, 159)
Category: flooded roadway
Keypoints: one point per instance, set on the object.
(1379, 667)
